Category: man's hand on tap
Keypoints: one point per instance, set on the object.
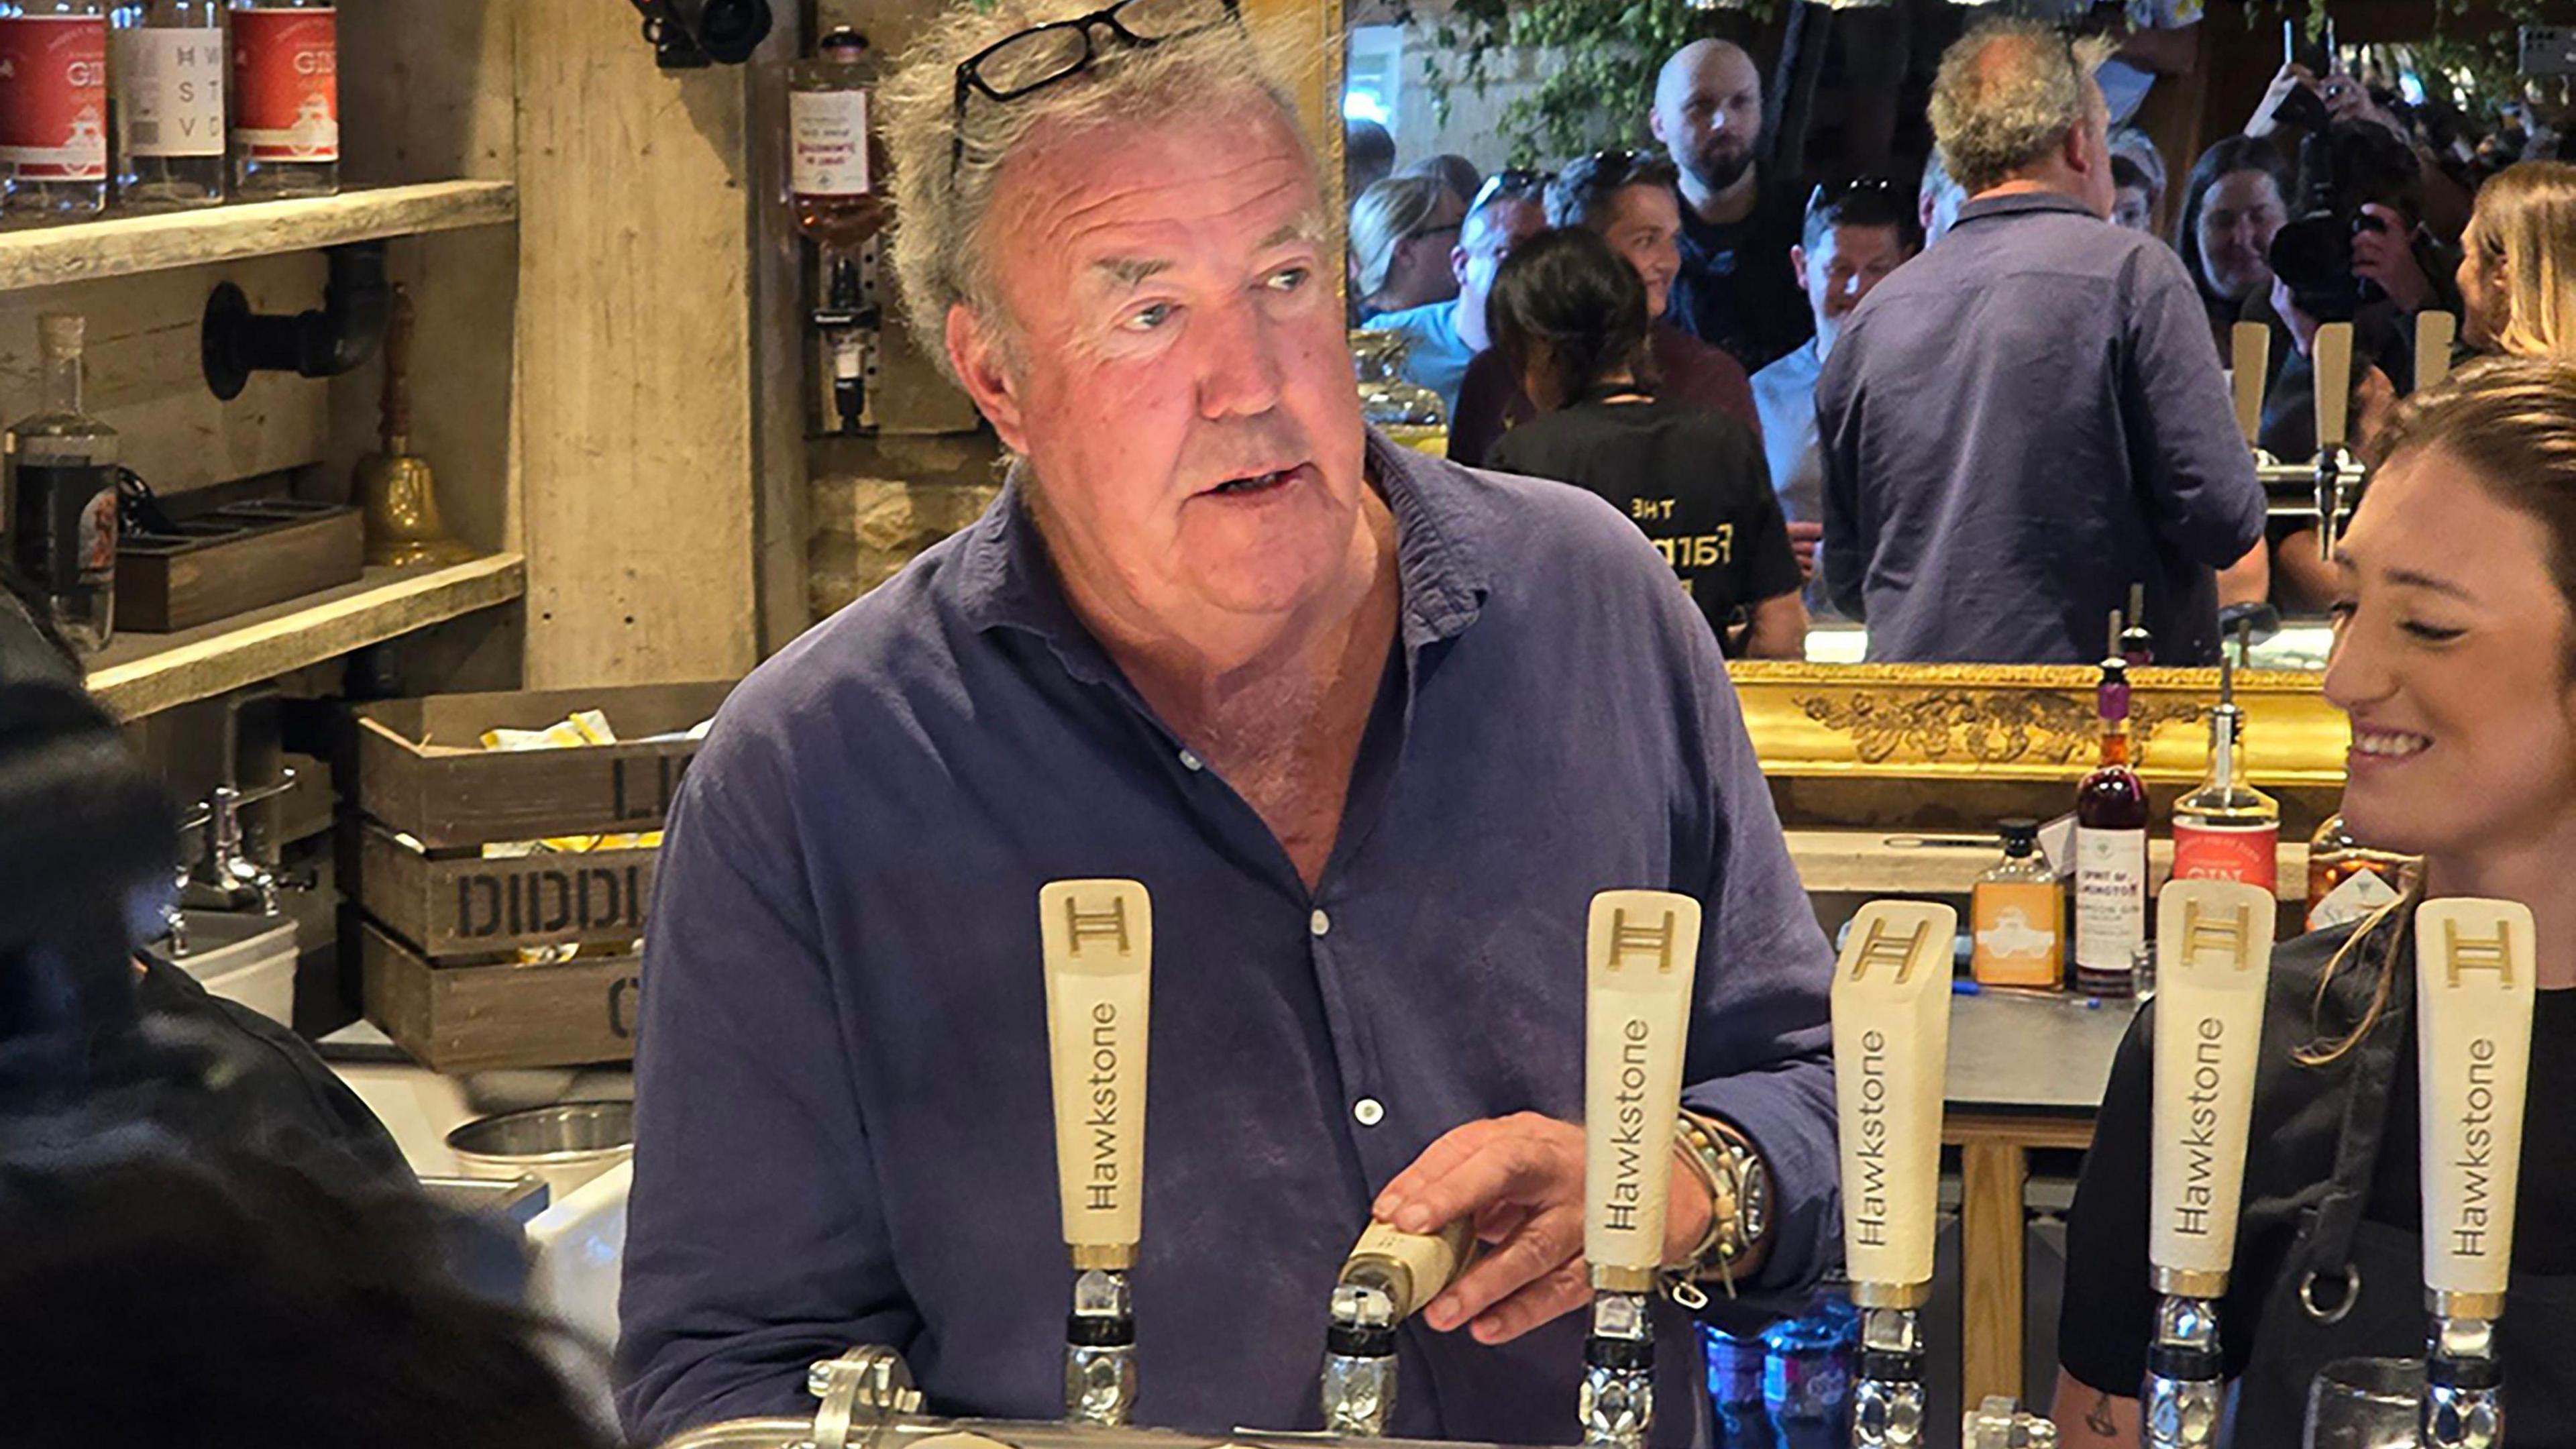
(1521, 1178)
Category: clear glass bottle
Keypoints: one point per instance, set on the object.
(62, 487)
(2017, 917)
(53, 108)
(2111, 853)
(166, 79)
(2227, 829)
(285, 98)
(837, 170)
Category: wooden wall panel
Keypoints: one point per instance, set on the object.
(145, 379)
(634, 389)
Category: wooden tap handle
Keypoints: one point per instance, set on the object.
(2434, 333)
(2333, 357)
(397, 398)
(2249, 369)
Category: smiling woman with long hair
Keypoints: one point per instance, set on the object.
(2455, 656)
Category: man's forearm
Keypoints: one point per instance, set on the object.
(2249, 579)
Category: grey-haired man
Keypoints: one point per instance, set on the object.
(1371, 728)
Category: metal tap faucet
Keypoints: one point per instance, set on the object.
(2334, 467)
(2463, 1385)
(1888, 1400)
(2186, 1391)
(1618, 1398)
(1359, 1383)
(1100, 1350)
(225, 877)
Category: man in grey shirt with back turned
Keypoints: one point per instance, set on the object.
(2026, 420)
(1371, 727)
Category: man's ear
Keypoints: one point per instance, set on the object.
(1798, 262)
(977, 356)
(1458, 262)
(1655, 124)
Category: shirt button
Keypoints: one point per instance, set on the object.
(1319, 923)
(1368, 1111)
(1191, 762)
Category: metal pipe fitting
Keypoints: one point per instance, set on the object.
(1888, 1400)
(1359, 1361)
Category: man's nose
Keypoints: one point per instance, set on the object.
(1238, 358)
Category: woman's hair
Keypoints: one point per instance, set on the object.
(2135, 150)
(1569, 293)
(2511, 422)
(2236, 153)
(151, 1298)
(2526, 220)
(1386, 214)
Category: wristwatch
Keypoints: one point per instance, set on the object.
(1739, 1188)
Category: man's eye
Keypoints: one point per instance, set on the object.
(1148, 318)
(1289, 279)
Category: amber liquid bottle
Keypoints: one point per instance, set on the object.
(2111, 853)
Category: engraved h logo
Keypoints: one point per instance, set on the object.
(2474, 953)
(2222, 935)
(1656, 939)
(1882, 949)
(1095, 925)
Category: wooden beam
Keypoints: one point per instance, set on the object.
(636, 394)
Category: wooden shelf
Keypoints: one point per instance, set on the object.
(139, 674)
(119, 246)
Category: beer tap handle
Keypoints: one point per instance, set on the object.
(1098, 939)
(2332, 354)
(2248, 370)
(2434, 334)
(1642, 949)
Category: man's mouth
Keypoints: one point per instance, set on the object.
(1253, 483)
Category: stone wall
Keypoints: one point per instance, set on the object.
(879, 501)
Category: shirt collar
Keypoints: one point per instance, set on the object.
(1442, 528)
(2020, 203)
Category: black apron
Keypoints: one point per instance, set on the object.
(2354, 1288)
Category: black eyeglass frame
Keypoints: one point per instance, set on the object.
(1514, 182)
(970, 71)
(1835, 193)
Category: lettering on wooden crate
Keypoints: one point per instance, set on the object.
(622, 995)
(649, 796)
(540, 900)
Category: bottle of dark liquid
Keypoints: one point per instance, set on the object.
(2111, 853)
(62, 480)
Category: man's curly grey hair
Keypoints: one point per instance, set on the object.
(942, 256)
(2005, 97)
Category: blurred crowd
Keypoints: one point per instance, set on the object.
(2336, 201)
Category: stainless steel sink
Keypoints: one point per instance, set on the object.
(239, 956)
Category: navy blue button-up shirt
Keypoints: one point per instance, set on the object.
(2018, 425)
(842, 1080)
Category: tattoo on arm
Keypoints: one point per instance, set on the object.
(2098, 1418)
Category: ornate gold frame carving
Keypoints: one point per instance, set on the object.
(2024, 722)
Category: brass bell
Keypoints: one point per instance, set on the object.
(394, 487)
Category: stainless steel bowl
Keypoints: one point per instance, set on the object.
(566, 1144)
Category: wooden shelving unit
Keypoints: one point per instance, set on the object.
(142, 673)
(120, 246)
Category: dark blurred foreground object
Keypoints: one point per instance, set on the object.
(87, 844)
(692, 34)
(216, 1301)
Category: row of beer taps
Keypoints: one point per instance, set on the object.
(2332, 482)
(1891, 1001)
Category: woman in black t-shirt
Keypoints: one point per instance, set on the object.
(1568, 315)
(2455, 655)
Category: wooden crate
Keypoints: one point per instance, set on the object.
(452, 905)
(422, 768)
(441, 924)
(476, 1018)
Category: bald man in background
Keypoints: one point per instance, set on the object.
(1735, 289)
